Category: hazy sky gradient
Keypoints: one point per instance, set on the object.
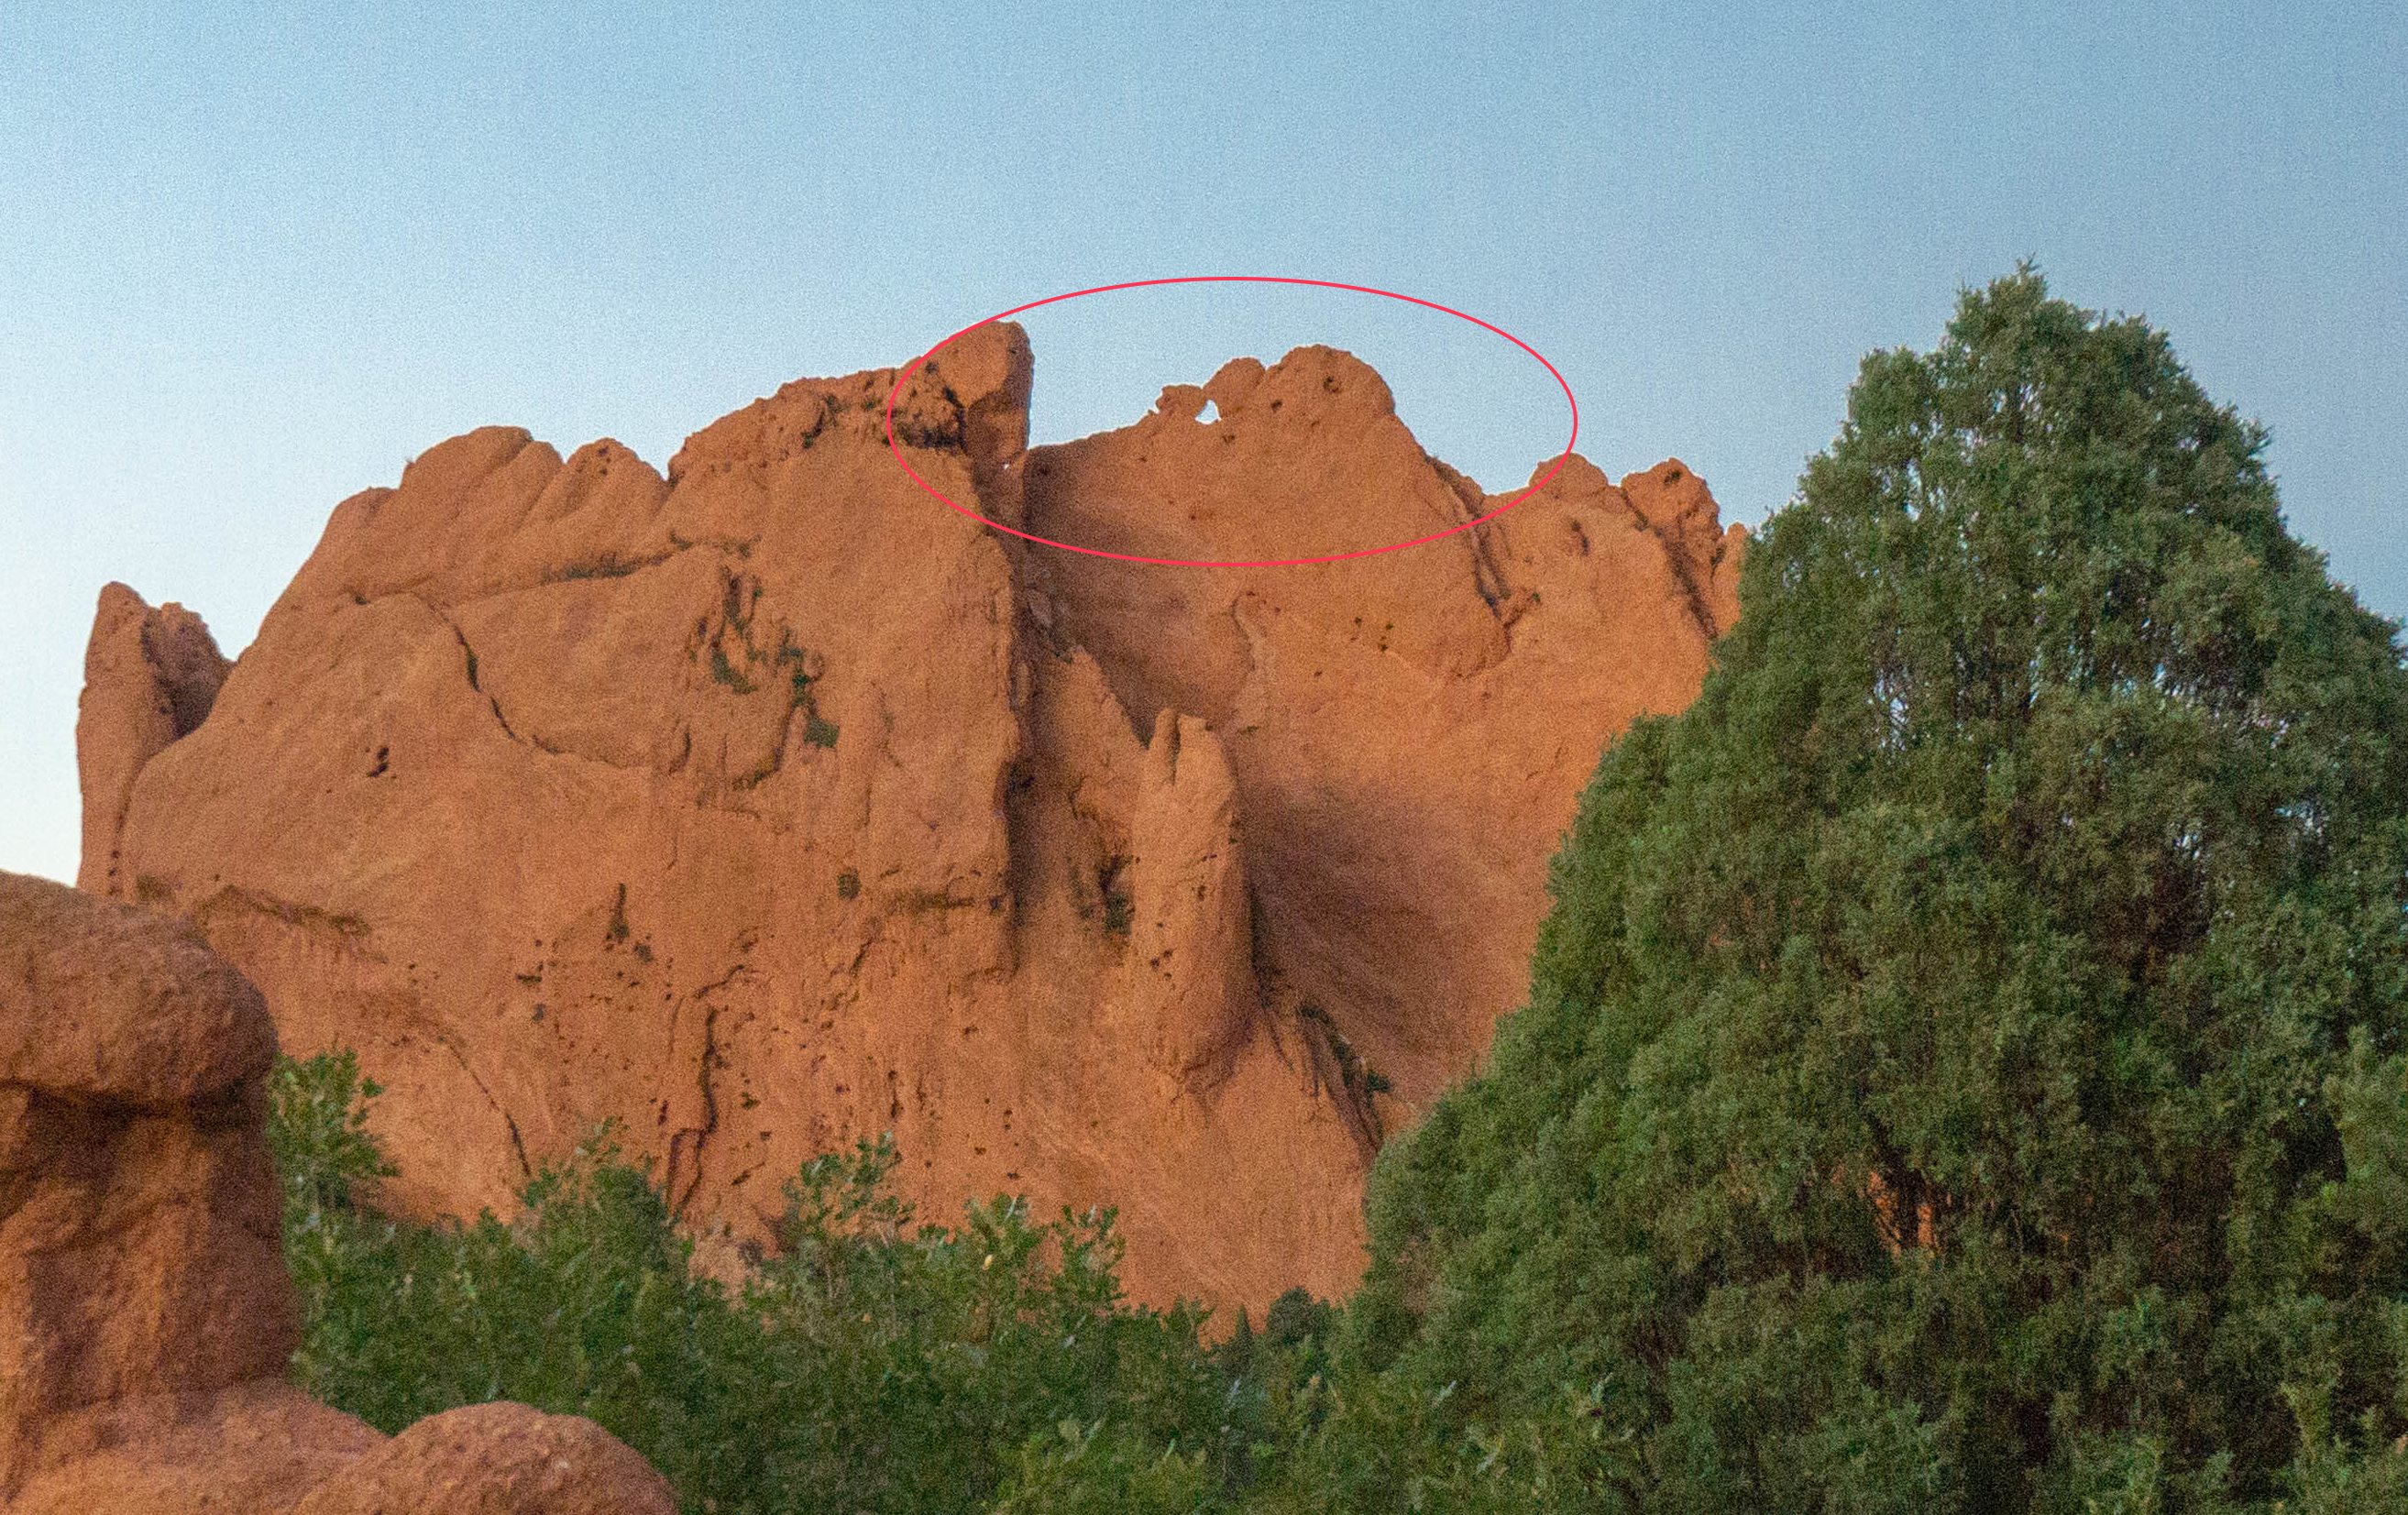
(250, 262)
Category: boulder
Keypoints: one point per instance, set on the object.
(146, 1317)
(499, 1459)
(139, 1253)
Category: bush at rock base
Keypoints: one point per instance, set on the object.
(871, 1363)
(875, 1363)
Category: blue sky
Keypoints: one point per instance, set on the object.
(251, 260)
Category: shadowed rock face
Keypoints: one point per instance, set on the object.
(146, 1320)
(1408, 732)
(138, 1243)
(768, 804)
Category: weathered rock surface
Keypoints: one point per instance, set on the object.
(768, 804)
(1408, 732)
(138, 1245)
(146, 1320)
(257, 1446)
(499, 1459)
(149, 676)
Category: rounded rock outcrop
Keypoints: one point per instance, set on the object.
(146, 1317)
(496, 1458)
(139, 1253)
(101, 1001)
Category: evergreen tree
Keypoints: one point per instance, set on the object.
(1964, 1066)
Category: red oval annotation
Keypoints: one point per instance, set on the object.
(930, 356)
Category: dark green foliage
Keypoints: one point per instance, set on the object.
(937, 1352)
(728, 673)
(1376, 1442)
(1119, 907)
(1964, 1067)
(317, 1130)
(587, 1307)
(1095, 1470)
(873, 1364)
(604, 568)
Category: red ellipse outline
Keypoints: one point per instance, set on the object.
(925, 358)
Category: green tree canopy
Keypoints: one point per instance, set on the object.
(1964, 1064)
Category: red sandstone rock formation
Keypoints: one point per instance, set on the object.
(1408, 732)
(146, 1320)
(497, 1459)
(769, 804)
(148, 677)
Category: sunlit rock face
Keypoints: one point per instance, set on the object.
(768, 805)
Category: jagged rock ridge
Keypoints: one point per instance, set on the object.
(767, 804)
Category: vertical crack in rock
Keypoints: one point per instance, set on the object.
(518, 1143)
(518, 1146)
(1488, 576)
(688, 1143)
(468, 666)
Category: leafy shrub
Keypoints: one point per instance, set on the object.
(1087, 1470)
(872, 1364)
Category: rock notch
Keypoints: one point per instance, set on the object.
(766, 804)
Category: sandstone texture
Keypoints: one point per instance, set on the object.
(1409, 732)
(145, 1318)
(766, 804)
(149, 676)
(499, 1459)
